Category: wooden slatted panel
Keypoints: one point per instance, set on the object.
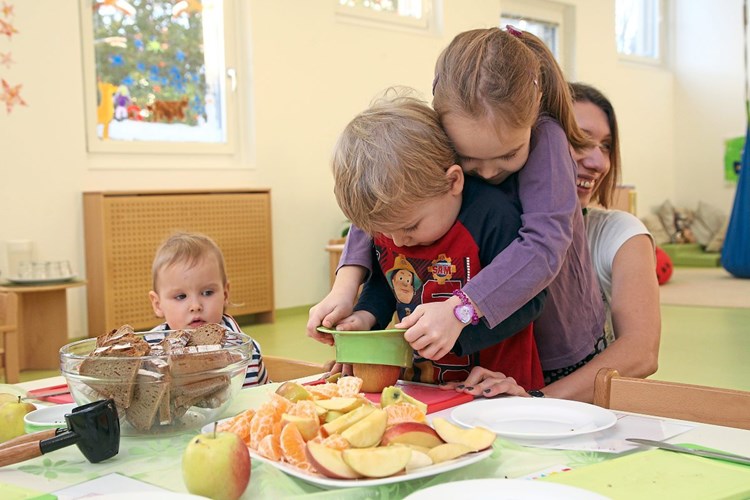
(134, 225)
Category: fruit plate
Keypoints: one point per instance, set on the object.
(329, 483)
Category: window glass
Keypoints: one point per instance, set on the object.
(546, 31)
(417, 16)
(158, 68)
(637, 28)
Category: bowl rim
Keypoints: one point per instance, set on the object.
(65, 353)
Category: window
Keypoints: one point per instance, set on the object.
(552, 22)
(406, 15)
(638, 29)
(156, 76)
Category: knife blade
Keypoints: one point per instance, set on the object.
(729, 457)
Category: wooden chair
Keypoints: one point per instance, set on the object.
(9, 336)
(698, 403)
(281, 369)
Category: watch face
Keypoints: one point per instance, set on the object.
(463, 313)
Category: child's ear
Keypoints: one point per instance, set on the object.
(456, 179)
(226, 294)
(156, 304)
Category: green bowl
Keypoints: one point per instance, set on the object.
(376, 347)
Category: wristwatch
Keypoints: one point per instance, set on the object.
(465, 312)
(535, 393)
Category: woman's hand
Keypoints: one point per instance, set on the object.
(484, 382)
(432, 329)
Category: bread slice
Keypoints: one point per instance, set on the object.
(150, 389)
(115, 336)
(119, 374)
(187, 395)
(208, 334)
(198, 359)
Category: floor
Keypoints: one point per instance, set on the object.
(700, 345)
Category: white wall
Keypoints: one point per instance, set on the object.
(310, 75)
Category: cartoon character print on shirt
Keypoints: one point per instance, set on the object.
(404, 283)
(438, 269)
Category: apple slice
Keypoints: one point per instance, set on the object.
(416, 433)
(328, 461)
(307, 426)
(344, 405)
(347, 420)
(448, 451)
(368, 431)
(293, 391)
(476, 438)
(383, 461)
(418, 460)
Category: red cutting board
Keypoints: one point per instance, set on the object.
(436, 398)
(58, 398)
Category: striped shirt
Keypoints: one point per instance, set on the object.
(256, 371)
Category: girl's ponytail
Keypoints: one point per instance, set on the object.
(556, 98)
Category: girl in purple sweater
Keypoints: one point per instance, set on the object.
(506, 107)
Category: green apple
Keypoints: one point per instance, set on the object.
(6, 397)
(216, 465)
(11, 418)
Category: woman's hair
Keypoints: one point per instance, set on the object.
(188, 248)
(606, 187)
(389, 157)
(500, 74)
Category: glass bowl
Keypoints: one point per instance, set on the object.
(159, 393)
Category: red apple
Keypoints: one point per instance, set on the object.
(476, 438)
(328, 461)
(415, 433)
(216, 465)
(375, 378)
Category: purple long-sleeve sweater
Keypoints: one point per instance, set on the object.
(550, 252)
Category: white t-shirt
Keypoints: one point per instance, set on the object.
(607, 231)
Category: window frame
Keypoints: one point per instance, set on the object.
(229, 92)
(429, 24)
(661, 39)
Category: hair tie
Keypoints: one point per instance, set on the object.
(513, 31)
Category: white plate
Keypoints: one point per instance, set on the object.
(326, 482)
(534, 418)
(40, 281)
(48, 417)
(504, 489)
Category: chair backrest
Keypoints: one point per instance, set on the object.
(697, 403)
(8, 311)
(281, 369)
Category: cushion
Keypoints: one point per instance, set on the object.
(666, 215)
(656, 228)
(717, 241)
(708, 222)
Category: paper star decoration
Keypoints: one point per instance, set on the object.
(6, 59)
(7, 29)
(11, 96)
(7, 10)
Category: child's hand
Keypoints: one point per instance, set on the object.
(358, 320)
(328, 313)
(432, 329)
(483, 382)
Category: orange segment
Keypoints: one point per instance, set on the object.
(304, 408)
(336, 441)
(324, 391)
(403, 412)
(268, 450)
(349, 386)
(293, 447)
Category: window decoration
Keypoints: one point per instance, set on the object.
(156, 75)
(10, 93)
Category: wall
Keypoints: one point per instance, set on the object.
(310, 75)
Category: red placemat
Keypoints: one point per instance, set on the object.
(433, 396)
(59, 394)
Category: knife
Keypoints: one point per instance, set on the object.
(729, 457)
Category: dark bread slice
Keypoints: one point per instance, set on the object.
(150, 389)
(187, 395)
(208, 334)
(161, 367)
(115, 336)
(119, 374)
(198, 359)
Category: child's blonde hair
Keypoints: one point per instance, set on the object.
(189, 248)
(388, 158)
(500, 74)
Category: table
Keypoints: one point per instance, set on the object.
(42, 322)
(157, 461)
